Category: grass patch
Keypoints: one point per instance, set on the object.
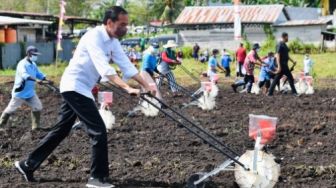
(324, 68)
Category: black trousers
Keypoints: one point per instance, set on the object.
(240, 69)
(277, 78)
(76, 105)
(267, 83)
(248, 80)
(227, 71)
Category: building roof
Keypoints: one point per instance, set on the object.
(320, 21)
(302, 13)
(44, 16)
(21, 14)
(225, 14)
(5, 20)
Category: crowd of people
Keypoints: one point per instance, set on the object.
(90, 63)
(273, 67)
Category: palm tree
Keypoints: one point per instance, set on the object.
(166, 10)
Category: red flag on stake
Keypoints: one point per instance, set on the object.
(60, 24)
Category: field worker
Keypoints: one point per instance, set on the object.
(90, 62)
(225, 61)
(168, 61)
(27, 74)
(240, 58)
(282, 58)
(213, 64)
(266, 72)
(307, 65)
(251, 60)
(196, 49)
(149, 60)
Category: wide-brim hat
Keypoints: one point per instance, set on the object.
(170, 44)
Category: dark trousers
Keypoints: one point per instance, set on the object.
(248, 80)
(267, 83)
(277, 78)
(76, 105)
(171, 81)
(240, 68)
(227, 71)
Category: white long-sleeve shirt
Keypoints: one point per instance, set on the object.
(91, 61)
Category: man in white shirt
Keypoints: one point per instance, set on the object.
(89, 63)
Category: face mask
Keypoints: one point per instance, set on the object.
(258, 50)
(155, 51)
(33, 58)
(120, 32)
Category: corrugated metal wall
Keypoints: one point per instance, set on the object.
(66, 54)
(11, 54)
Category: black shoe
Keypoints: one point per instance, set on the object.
(22, 167)
(98, 183)
(234, 88)
(296, 94)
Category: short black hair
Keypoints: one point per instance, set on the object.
(215, 51)
(284, 34)
(112, 13)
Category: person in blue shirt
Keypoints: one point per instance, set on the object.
(226, 60)
(266, 71)
(27, 74)
(213, 64)
(150, 58)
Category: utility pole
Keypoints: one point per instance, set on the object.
(237, 21)
(48, 6)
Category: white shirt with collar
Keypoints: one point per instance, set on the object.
(91, 61)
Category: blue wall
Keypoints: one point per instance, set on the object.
(11, 54)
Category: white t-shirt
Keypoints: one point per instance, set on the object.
(91, 61)
(308, 64)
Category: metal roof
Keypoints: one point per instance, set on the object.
(302, 13)
(225, 14)
(18, 13)
(320, 21)
(5, 20)
(45, 16)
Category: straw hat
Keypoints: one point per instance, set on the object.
(170, 44)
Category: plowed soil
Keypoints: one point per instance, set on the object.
(155, 152)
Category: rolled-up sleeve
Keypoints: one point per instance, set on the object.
(99, 58)
(119, 57)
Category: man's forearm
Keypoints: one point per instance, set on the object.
(118, 81)
(277, 56)
(140, 80)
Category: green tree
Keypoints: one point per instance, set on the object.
(166, 10)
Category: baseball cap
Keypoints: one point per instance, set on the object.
(33, 50)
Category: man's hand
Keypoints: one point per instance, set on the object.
(151, 88)
(133, 91)
(45, 81)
